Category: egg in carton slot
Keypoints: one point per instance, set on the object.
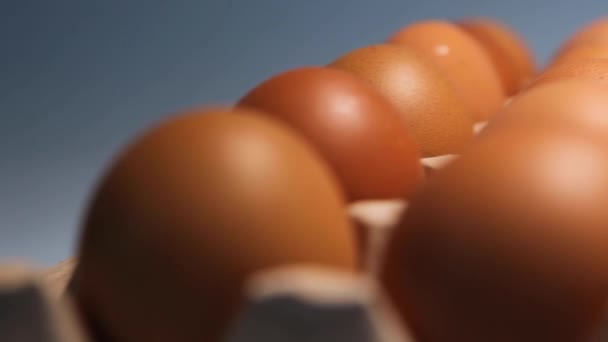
(304, 303)
(295, 303)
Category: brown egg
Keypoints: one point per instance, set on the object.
(507, 243)
(579, 69)
(573, 106)
(194, 207)
(355, 128)
(593, 32)
(508, 50)
(462, 59)
(585, 51)
(429, 106)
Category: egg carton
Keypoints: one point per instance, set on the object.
(292, 304)
(31, 309)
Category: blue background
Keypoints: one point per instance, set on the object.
(78, 78)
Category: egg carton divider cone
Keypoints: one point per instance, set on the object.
(31, 310)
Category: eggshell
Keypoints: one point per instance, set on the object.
(572, 106)
(355, 128)
(429, 106)
(30, 309)
(595, 69)
(506, 243)
(191, 209)
(462, 59)
(586, 51)
(508, 50)
(593, 32)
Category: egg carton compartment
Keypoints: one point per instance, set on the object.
(300, 304)
(289, 304)
(293, 304)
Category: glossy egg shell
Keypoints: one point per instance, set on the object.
(570, 106)
(591, 69)
(585, 51)
(357, 130)
(463, 60)
(510, 53)
(593, 32)
(429, 106)
(507, 243)
(190, 210)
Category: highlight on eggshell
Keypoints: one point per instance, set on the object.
(191, 209)
(506, 243)
(429, 106)
(358, 131)
(462, 59)
(510, 53)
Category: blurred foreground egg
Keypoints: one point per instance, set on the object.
(571, 106)
(429, 106)
(463, 60)
(507, 243)
(357, 130)
(508, 50)
(194, 207)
